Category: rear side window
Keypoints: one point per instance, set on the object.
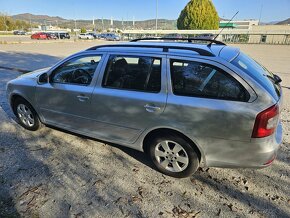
(202, 80)
(259, 73)
(133, 73)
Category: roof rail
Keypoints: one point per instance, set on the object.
(179, 39)
(165, 48)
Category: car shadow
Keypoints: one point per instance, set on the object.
(24, 62)
(140, 156)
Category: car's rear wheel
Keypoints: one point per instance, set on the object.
(26, 115)
(174, 156)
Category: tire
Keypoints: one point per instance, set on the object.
(26, 115)
(173, 156)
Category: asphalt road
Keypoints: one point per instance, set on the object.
(51, 173)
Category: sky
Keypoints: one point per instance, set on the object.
(270, 10)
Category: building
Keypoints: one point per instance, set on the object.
(51, 28)
(239, 24)
(270, 34)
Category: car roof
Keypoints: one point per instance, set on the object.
(182, 48)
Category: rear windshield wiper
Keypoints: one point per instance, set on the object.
(275, 78)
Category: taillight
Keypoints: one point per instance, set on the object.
(266, 122)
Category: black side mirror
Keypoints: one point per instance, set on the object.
(43, 78)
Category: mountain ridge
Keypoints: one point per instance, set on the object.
(102, 24)
(99, 23)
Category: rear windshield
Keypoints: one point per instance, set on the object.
(259, 73)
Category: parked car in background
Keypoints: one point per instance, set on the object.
(94, 35)
(112, 37)
(62, 35)
(85, 36)
(173, 35)
(19, 32)
(184, 104)
(39, 35)
(102, 36)
(205, 36)
(51, 36)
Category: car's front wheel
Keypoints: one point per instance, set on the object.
(26, 115)
(174, 156)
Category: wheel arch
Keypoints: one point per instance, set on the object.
(165, 131)
(16, 96)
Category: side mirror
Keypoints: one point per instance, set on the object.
(43, 78)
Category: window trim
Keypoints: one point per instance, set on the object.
(54, 68)
(214, 64)
(134, 55)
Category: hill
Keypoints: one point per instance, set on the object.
(41, 19)
(284, 22)
(99, 23)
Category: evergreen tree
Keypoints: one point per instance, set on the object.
(198, 15)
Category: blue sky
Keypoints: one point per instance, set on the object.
(272, 10)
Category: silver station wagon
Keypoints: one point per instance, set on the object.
(185, 103)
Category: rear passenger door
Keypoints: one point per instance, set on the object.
(130, 96)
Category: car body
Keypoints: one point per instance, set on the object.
(19, 32)
(94, 35)
(110, 37)
(173, 35)
(113, 37)
(62, 35)
(51, 36)
(40, 35)
(85, 36)
(185, 104)
(205, 36)
(102, 35)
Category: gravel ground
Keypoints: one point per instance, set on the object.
(51, 173)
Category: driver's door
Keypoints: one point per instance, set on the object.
(65, 100)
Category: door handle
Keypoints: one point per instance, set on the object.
(83, 98)
(151, 108)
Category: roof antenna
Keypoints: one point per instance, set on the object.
(223, 28)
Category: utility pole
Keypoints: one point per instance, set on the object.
(30, 23)
(123, 23)
(260, 13)
(94, 29)
(75, 27)
(58, 36)
(156, 20)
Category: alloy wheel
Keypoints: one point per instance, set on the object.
(171, 156)
(25, 115)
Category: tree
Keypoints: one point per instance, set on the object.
(200, 15)
(8, 23)
(83, 30)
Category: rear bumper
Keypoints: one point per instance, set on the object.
(258, 153)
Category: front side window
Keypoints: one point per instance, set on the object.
(133, 73)
(79, 70)
(203, 80)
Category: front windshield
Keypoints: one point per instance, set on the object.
(258, 72)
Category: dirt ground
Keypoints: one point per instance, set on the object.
(51, 173)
